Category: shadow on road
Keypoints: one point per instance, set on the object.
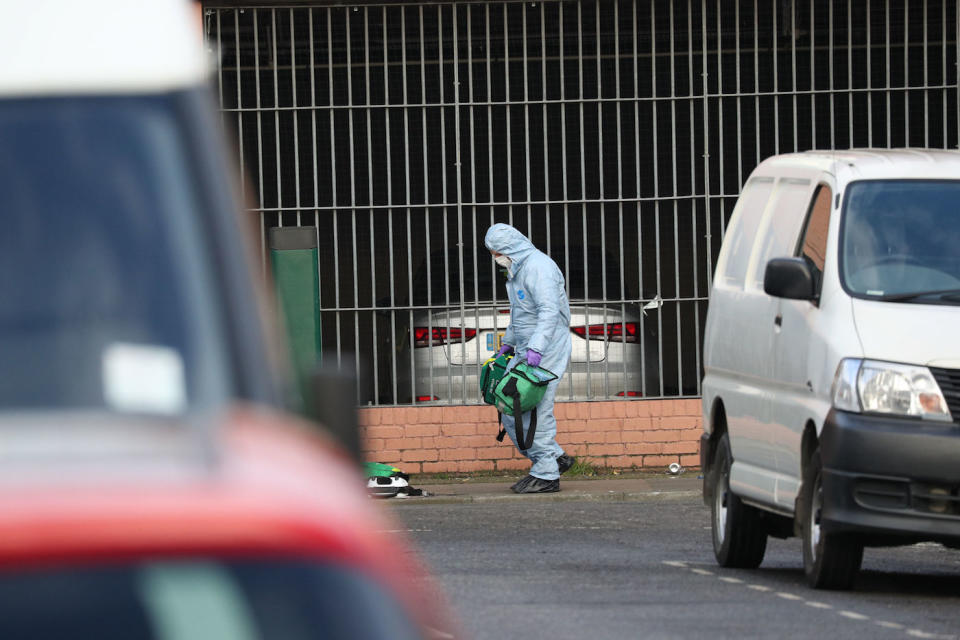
(917, 584)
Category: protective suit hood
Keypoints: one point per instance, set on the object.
(504, 239)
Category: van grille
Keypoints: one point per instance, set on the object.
(949, 381)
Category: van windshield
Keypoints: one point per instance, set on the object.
(106, 295)
(900, 240)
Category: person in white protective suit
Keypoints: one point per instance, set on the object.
(539, 333)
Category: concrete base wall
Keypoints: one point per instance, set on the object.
(622, 434)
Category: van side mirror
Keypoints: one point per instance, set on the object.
(791, 278)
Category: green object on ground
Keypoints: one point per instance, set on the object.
(522, 387)
(293, 255)
(379, 470)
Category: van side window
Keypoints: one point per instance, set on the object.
(813, 244)
(778, 232)
(747, 215)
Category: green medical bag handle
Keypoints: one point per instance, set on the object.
(510, 389)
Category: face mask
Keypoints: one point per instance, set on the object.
(503, 261)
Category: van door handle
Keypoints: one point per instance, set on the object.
(778, 321)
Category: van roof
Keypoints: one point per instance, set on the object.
(865, 164)
(66, 47)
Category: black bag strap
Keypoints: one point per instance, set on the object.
(518, 422)
(510, 389)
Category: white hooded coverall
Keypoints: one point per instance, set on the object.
(539, 320)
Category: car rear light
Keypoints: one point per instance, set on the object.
(614, 331)
(631, 394)
(427, 337)
(427, 398)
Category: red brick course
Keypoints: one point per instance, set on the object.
(619, 434)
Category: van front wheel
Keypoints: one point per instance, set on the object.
(739, 534)
(830, 560)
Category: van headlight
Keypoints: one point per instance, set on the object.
(872, 386)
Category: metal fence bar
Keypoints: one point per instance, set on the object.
(634, 25)
(240, 149)
(506, 111)
(656, 193)
(869, 76)
(850, 72)
(593, 101)
(600, 194)
(478, 248)
(793, 67)
(545, 137)
(443, 183)
(583, 191)
(526, 116)
(220, 90)
(695, 253)
(886, 52)
(353, 196)
(620, 232)
(520, 202)
(489, 94)
(833, 108)
(926, 67)
(708, 210)
(721, 130)
(276, 111)
(410, 329)
(370, 198)
(296, 117)
(776, 83)
(394, 338)
(676, 226)
(756, 78)
(563, 165)
(739, 89)
(811, 28)
(944, 67)
(334, 200)
(256, 53)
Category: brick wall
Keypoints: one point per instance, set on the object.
(618, 434)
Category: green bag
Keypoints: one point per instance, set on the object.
(493, 371)
(520, 391)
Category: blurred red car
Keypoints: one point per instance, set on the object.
(258, 530)
(154, 480)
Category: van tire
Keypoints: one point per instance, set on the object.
(830, 560)
(739, 533)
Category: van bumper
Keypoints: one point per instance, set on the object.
(893, 480)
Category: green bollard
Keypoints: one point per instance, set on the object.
(293, 254)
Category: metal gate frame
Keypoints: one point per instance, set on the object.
(701, 92)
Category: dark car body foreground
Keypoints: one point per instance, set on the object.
(155, 478)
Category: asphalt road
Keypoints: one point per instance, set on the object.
(645, 569)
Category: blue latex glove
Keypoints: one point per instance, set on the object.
(533, 358)
(504, 348)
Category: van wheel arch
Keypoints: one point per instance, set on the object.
(809, 444)
(718, 428)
